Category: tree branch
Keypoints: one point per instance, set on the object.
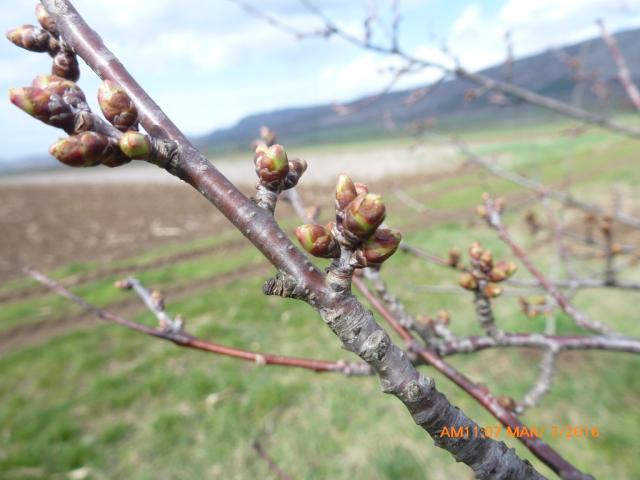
(184, 339)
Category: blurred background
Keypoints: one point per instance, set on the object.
(83, 399)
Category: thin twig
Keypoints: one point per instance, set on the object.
(495, 221)
(184, 339)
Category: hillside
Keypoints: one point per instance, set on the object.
(544, 73)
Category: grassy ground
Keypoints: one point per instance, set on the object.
(101, 402)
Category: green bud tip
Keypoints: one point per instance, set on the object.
(272, 165)
(21, 98)
(381, 245)
(345, 191)
(317, 240)
(135, 145)
(364, 214)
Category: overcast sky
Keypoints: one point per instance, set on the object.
(208, 64)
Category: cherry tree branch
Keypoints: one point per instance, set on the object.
(495, 221)
(168, 331)
(297, 277)
(480, 393)
(623, 70)
(331, 29)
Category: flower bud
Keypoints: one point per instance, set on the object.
(507, 402)
(116, 105)
(509, 268)
(46, 106)
(345, 191)
(468, 281)
(364, 214)
(297, 167)
(486, 258)
(381, 245)
(272, 165)
(45, 20)
(65, 64)
(33, 39)
(492, 290)
(481, 211)
(475, 251)
(57, 85)
(318, 240)
(83, 150)
(454, 257)
(360, 188)
(443, 317)
(497, 274)
(135, 145)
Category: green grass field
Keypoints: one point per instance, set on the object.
(106, 403)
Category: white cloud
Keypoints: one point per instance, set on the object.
(467, 20)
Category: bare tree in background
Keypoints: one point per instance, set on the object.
(358, 243)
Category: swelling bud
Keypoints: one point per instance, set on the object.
(135, 145)
(364, 214)
(381, 245)
(317, 240)
(345, 191)
(116, 106)
(83, 150)
(272, 164)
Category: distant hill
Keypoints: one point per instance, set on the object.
(545, 73)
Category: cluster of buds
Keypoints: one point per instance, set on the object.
(47, 39)
(485, 274)
(498, 205)
(87, 149)
(274, 169)
(359, 215)
(59, 102)
(534, 307)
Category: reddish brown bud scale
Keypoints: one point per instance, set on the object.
(44, 105)
(116, 105)
(83, 150)
(468, 281)
(345, 191)
(492, 290)
(364, 214)
(454, 257)
(381, 245)
(497, 275)
(33, 39)
(45, 20)
(318, 240)
(65, 64)
(360, 188)
(487, 258)
(272, 165)
(475, 251)
(509, 268)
